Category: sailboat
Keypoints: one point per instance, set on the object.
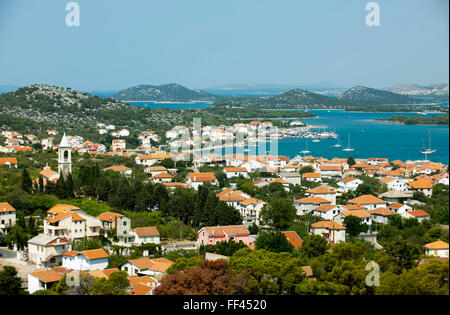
(306, 150)
(429, 150)
(348, 149)
(316, 140)
(338, 144)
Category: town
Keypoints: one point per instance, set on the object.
(139, 221)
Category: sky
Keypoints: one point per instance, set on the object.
(209, 43)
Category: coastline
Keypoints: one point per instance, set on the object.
(167, 102)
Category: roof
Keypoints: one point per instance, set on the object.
(421, 184)
(331, 225)
(293, 238)
(250, 201)
(353, 207)
(437, 245)
(382, 211)
(157, 168)
(163, 175)
(311, 175)
(357, 213)
(105, 273)
(419, 213)
(202, 177)
(348, 179)
(308, 271)
(235, 169)
(6, 207)
(230, 230)
(278, 180)
(155, 264)
(330, 167)
(117, 168)
(90, 254)
(321, 190)
(61, 216)
(324, 208)
(8, 160)
(146, 231)
(47, 276)
(141, 285)
(60, 208)
(109, 216)
(48, 172)
(43, 240)
(396, 205)
(312, 200)
(367, 199)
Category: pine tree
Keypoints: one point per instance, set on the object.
(27, 184)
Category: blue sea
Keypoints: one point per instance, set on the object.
(369, 138)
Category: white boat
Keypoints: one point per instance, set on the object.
(348, 149)
(306, 151)
(316, 140)
(429, 150)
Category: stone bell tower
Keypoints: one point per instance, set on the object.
(64, 157)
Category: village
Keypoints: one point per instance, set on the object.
(332, 193)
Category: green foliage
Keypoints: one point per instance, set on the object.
(278, 213)
(183, 264)
(222, 248)
(274, 242)
(314, 245)
(354, 225)
(10, 283)
(117, 284)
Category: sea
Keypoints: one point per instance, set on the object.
(368, 138)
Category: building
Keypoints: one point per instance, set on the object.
(10, 162)
(211, 235)
(420, 215)
(197, 179)
(119, 169)
(93, 259)
(64, 157)
(368, 201)
(323, 192)
(293, 178)
(156, 267)
(293, 238)
(146, 235)
(236, 172)
(349, 184)
(364, 215)
(381, 215)
(120, 224)
(312, 177)
(250, 209)
(424, 186)
(46, 251)
(438, 248)
(307, 205)
(332, 231)
(326, 211)
(118, 144)
(44, 279)
(162, 178)
(7, 217)
(399, 208)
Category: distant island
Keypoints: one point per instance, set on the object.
(162, 93)
(417, 120)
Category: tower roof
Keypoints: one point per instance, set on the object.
(64, 142)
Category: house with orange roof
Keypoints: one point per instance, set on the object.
(117, 222)
(92, 259)
(293, 238)
(49, 175)
(236, 172)
(293, 178)
(312, 177)
(149, 160)
(381, 215)
(162, 178)
(328, 171)
(424, 186)
(364, 215)
(399, 208)
(327, 211)
(44, 279)
(250, 209)
(46, 251)
(197, 179)
(10, 162)
(142, 285)
(368, 201)
(394, 183)
(332, 231)
(156, 267)
(146, 235)
(307, 205)
(155, 170)
(118, 144)
(420, 215)
(349, 184)
(324, 192)
(7, 217)
(122, 169)
(437, 248)
(211, 235)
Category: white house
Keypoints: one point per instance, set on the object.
(368, 201)
(197, 179)
(146, 235)
(46, 251)
(327, 211)
(420, 215)
(381, 215)
(7, 217)
(323, 192)
(250, 209)
(94, 259)
(394, 183)
(306, 205)
(438, 248)
(145, 266)
(236, 172)
(349, 184)
(399, 208)
(43, 279)
(424, 186)
(332, 231)
(312, 177)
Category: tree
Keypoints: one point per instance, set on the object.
(274, 242)
(314, 245)
(117, 284)
(253, 229)
(402, 255)
(10, 283)
(278, 213)
(351, 161)
(168, 163)
(306, 169)
(354, 225)
(86, 284)
(27, 184)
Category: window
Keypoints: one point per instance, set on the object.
(124, 232)
(125, 223)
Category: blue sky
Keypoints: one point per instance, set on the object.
(206, 43)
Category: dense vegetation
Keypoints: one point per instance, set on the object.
(418, 120)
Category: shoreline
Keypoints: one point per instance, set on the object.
(167, 102)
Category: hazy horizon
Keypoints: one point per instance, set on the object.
(203, 44)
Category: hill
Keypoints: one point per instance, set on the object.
(162, 93)
(369, 96)
(419, 90)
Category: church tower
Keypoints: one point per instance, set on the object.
(64, 157)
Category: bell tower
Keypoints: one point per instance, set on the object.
(64, 157)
